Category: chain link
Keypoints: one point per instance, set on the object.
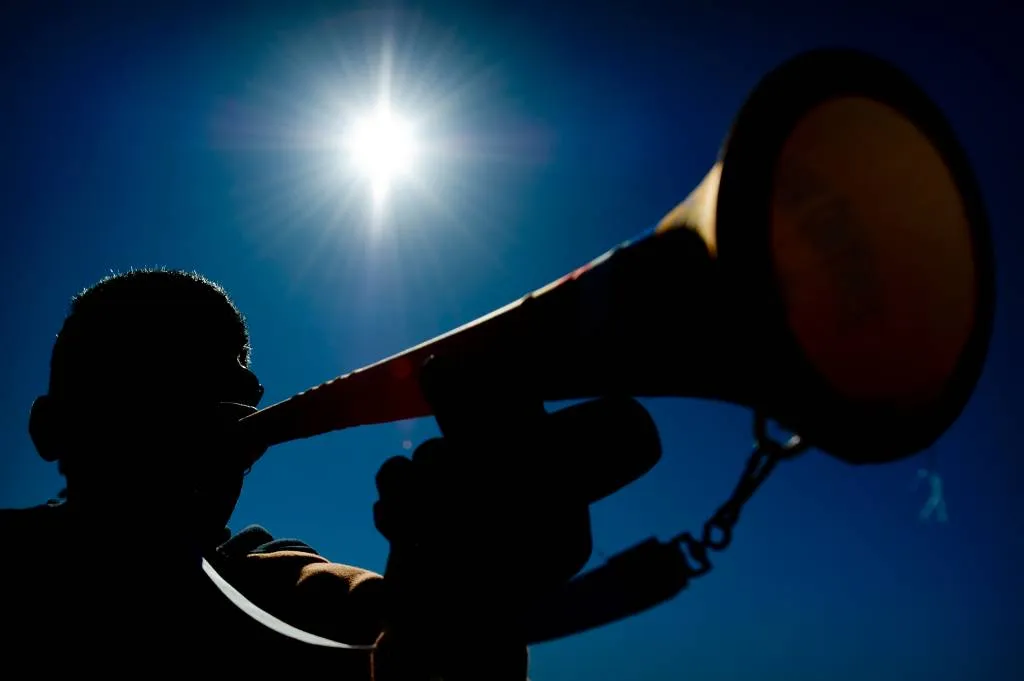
(717, 531)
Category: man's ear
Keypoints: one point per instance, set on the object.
(44, 426)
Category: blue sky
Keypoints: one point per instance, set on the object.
(196, 139)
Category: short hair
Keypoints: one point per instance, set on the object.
(124, 317)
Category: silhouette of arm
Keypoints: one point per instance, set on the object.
(336, 601)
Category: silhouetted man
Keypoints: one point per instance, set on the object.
(149, 376)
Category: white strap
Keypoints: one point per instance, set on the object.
(268, 620)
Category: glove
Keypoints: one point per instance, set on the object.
(484, 521)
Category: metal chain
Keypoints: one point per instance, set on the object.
(717, 532)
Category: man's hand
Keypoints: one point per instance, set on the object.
(488, 518)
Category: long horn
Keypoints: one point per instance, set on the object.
(833, 270)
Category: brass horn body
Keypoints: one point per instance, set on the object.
(833, 271)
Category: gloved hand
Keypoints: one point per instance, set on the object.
(483, 521)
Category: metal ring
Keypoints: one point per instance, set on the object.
(708, 538)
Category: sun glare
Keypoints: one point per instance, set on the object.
(382, 148)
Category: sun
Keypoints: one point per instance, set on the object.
(382, 148)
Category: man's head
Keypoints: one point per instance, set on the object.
(142, 378)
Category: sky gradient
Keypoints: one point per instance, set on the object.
(199, 139)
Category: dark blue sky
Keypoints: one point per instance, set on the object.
(194, 139)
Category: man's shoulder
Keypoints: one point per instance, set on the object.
(34, 541)
(291, 580)
(293, 559)
(21, 524)
(255, 539)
